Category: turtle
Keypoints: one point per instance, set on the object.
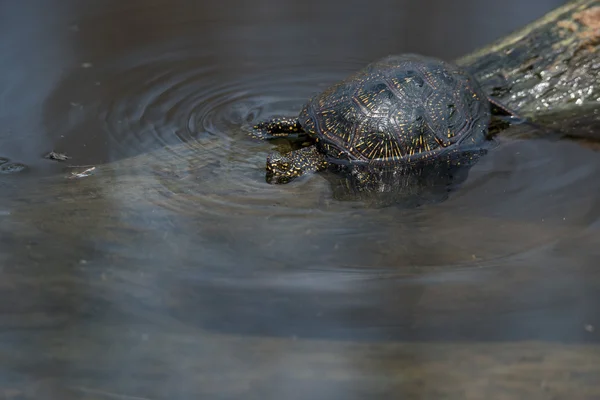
(397, 111)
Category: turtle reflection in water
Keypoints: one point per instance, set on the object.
(398, 116)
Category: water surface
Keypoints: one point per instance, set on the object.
(175, 271)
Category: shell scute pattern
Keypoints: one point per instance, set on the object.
(374, 98)
(401, 108)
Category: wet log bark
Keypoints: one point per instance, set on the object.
(548, 66)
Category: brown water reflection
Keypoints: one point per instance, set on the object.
(175, 271)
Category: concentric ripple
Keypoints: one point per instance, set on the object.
(10, 167)
(205, 160)
(192, 114)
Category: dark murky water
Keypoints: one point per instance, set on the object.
(176, 272)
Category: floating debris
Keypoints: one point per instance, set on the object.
(82, 174)
(53, 155)
(86, 65)
(12, 168)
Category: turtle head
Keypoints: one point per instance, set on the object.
(281, 168)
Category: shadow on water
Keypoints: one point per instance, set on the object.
(175, 271)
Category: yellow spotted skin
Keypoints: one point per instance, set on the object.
(400, 110)
(277, 127)
(284, 168)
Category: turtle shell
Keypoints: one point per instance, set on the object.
(399, 109)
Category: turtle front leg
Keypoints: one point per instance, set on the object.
(284, 168)
(287, 128)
